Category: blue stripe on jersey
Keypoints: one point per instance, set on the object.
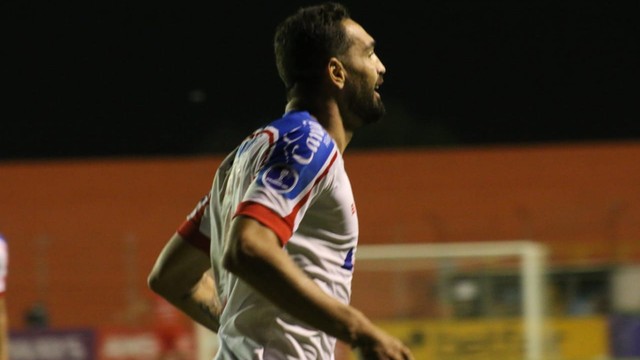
(300, 151)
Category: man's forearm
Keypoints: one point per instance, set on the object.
(269, 269)
(182, 276)
(304, 299)
(199, 311)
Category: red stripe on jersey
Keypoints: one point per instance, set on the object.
(269, 133)
(263, 131)
(190, 232)
(292, 216)
(282, 226)
(272, 140)
(190, 228)
(266, 217)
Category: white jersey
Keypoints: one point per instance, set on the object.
(4, 265)
(290, 177)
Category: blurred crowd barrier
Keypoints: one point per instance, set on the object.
(587, 338)
(102, 344)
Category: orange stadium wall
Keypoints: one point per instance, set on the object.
(83, 234)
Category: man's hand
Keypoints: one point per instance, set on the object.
(378, 345)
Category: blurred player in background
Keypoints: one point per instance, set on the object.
(170, 328)
(279, 227)
(4, 321)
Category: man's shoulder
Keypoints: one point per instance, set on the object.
(301, 139)
(292, 121)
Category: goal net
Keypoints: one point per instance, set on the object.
(458, 301)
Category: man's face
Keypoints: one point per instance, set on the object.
(364, 75)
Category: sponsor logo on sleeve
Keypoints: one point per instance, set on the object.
(280, 177)
(303, 144)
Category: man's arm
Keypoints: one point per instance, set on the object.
(255, 254)
(182, 275)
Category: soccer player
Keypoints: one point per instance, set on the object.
(279, 226)
(4, 327)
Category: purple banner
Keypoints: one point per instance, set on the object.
(52, 345)
(625, 335)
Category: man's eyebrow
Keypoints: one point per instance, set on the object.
(371, 45)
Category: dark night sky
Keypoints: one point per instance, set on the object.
(105, 79)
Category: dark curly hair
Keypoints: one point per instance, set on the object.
(306, 40)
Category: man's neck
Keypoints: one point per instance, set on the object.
(328, 115)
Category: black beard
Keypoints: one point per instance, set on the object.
(365, 105)
(373, 111)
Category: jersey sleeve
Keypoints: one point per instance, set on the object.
(290, 177)
(195, 229)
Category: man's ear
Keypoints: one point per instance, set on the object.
(337, 72)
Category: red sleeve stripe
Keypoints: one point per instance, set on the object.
(189, 230)
(282, 226)
(266, 217)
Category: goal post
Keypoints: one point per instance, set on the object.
(528, 261)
